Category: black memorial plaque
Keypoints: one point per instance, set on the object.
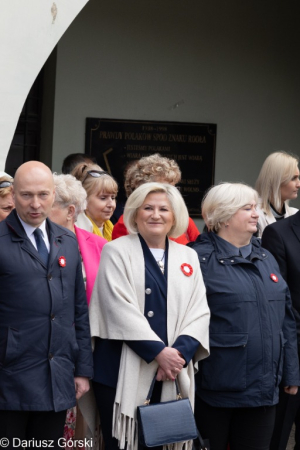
(116, 143)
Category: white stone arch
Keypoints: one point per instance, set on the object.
(29, 31)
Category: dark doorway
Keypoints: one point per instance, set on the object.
(25, 145)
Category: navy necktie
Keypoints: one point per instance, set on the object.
(41, 246)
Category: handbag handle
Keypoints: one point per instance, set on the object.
(147, 402)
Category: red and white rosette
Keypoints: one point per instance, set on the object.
(187, 269)
(62, 261)
(274, 277)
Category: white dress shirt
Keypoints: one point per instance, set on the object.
(29, 230)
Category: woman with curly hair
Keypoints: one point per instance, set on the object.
(154, 168)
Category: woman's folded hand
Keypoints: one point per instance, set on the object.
(170, 364)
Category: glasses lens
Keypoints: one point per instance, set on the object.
(96, 173)
(5, 184)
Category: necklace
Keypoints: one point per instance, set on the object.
(161, 264)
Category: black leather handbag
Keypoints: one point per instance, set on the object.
(167, 422)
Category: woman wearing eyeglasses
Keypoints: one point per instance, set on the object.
(101, 191)
(6, 199)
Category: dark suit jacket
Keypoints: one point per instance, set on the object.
(282, 239)
(44, 326)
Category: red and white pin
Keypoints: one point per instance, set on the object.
(62, 261)
(274, 277)
(187, 269)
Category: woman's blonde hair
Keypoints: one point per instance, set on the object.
(95, 185)
(7, 190)
(137, 198)
(69, 191)
(222, 201)
(151, 168)
(277, 170)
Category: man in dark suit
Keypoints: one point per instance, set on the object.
(282, 239)
(45, 350)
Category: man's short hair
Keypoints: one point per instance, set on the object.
(72, 160)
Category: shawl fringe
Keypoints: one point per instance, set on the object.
(124, 429)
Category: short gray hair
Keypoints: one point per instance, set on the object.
(69, 191)
(223, 200)
(137, 198)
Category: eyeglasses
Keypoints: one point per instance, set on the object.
(5, 184)
(95, 174)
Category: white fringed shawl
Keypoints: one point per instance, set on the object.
(117, 312)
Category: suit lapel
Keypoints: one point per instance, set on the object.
(88, 249)
(296, 224)
(55, 240)
(27, 246)
(179, 285)
(19, 235)
(153, 269)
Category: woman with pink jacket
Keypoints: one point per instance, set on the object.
(70, 200)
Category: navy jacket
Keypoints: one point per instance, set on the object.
(107, 352)
(44, 325)
(252, 328)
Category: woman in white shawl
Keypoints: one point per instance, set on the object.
(148, 313)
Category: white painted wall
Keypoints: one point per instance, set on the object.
(232, 63)
(29, 30)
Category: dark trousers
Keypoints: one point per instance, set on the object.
(242, 428)
(32, 427)
(105, 398)
(287, 412)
